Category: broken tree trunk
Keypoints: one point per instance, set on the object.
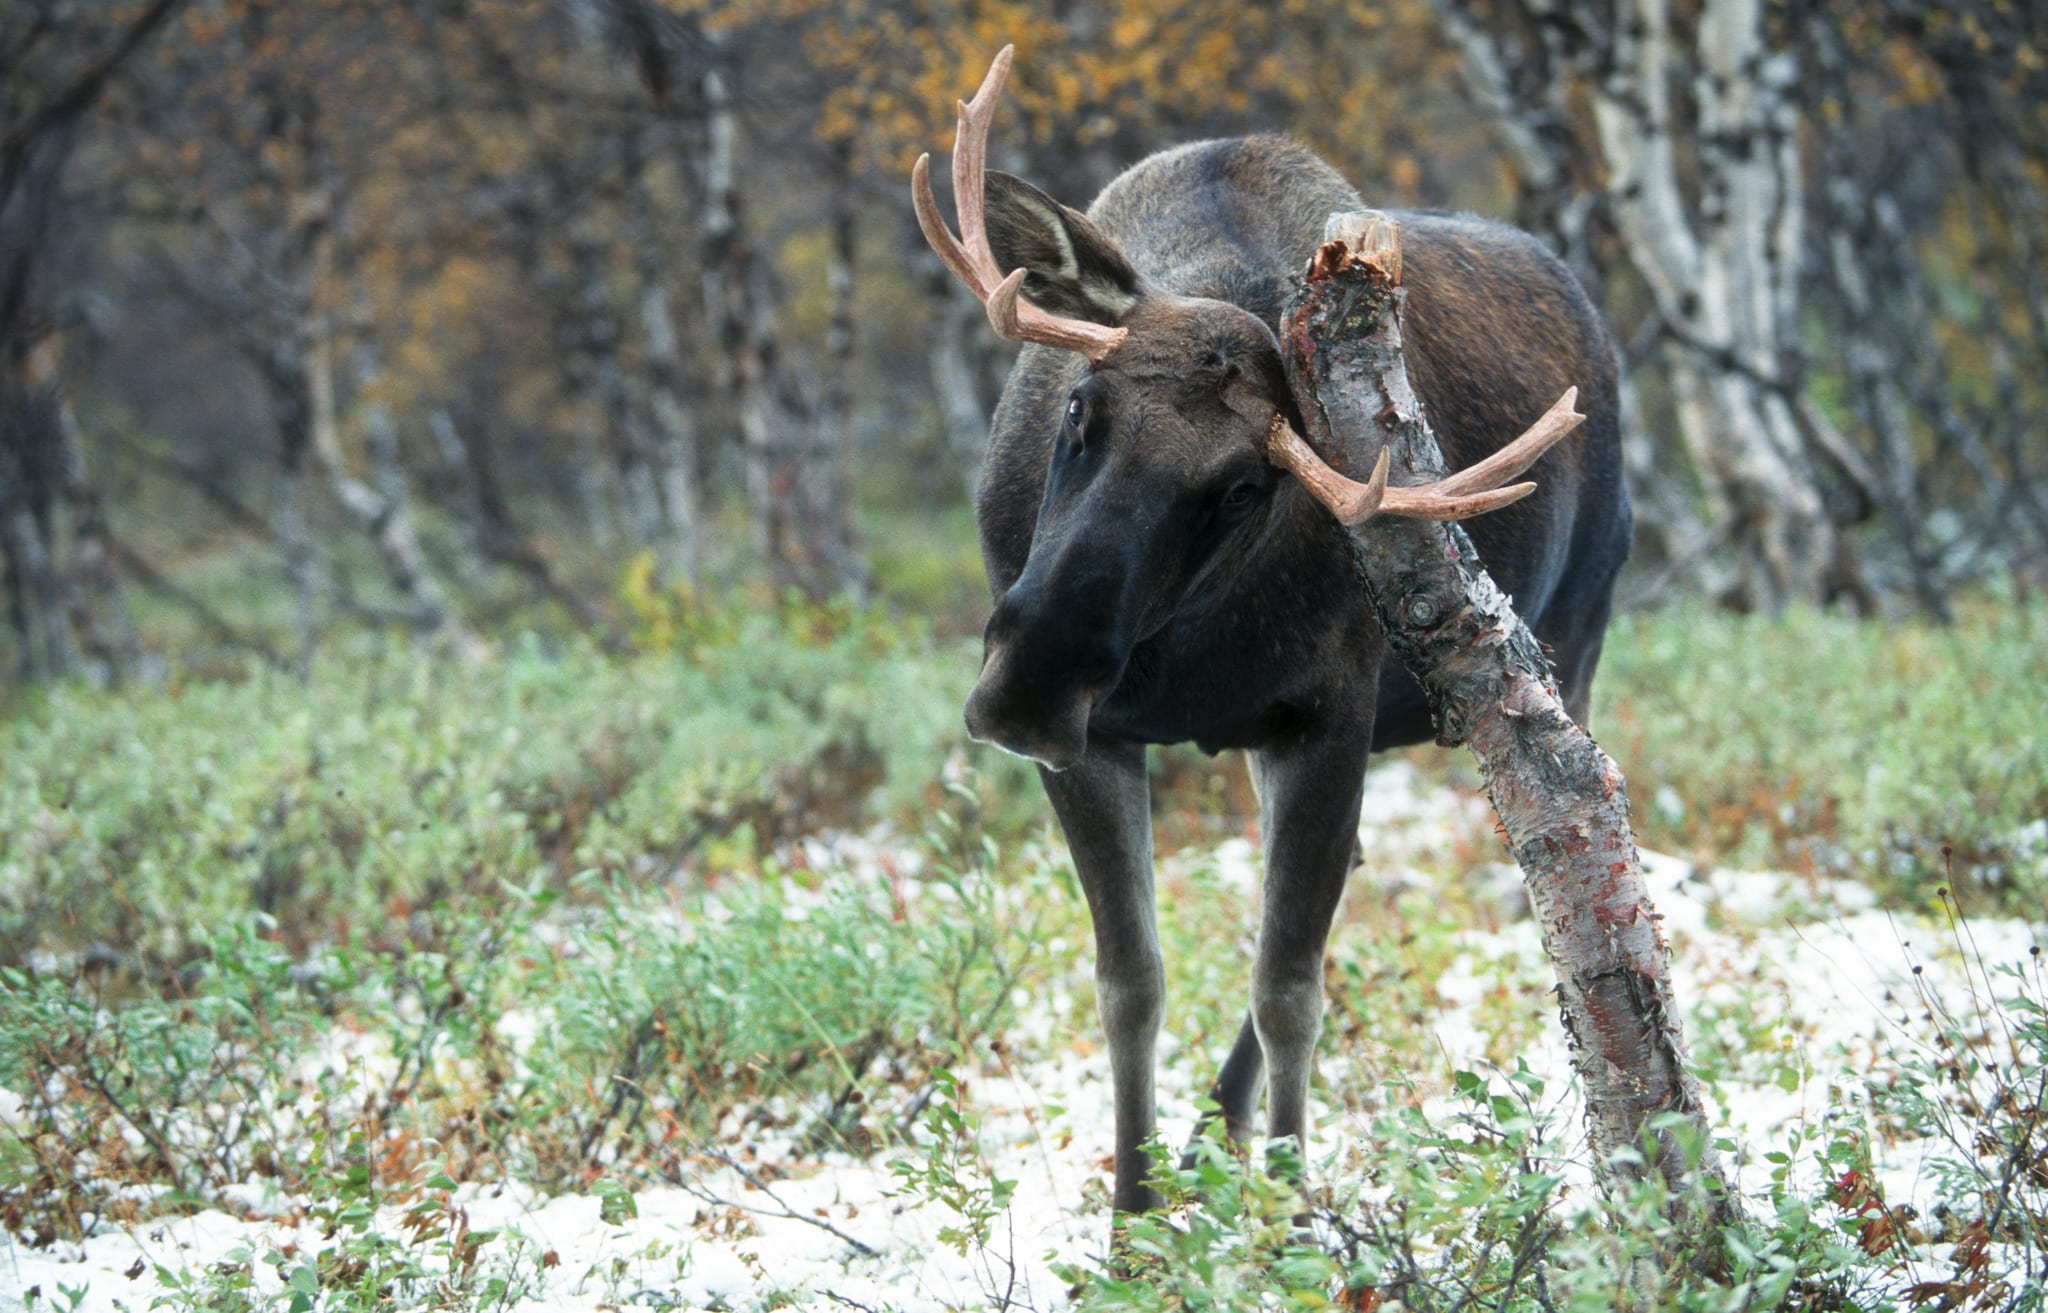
(1559, 797)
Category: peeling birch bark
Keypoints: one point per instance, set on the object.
(1679, 124)
(1561, 800)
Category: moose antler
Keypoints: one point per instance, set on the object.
(1471, 491)
(970, 257)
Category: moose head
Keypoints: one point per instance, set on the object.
(1166, 458)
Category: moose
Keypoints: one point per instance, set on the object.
(1157, 580)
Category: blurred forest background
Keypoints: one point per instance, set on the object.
(456, 316)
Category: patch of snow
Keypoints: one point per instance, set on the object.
(1817, 973)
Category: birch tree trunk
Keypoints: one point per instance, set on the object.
(1525, 89)
(34, 597)
(88, 576)
(49, 95)
(1561, 800)
(1693, 150)
(290, 519)
(1724, 275)
(829, 500)
(674, 439)
(740, 323)
(381, 505)
(613, 431)
(963, 411)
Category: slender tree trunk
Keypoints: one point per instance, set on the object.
(498, 538)
(1561, 801)
(64, 600)
(794, 434)
(1724, 273)
(738, 297)
(289, 517)
(1525, 88)
(35, 599)
(830, 501)
(675, 437)
(38, 129)
(615, 432)
(91, 581)
(382, 504)
(963, 412)
(596, 492)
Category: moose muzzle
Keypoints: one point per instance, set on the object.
(1046, 661)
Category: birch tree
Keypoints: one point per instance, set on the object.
(1685, 124)
(1747, 168)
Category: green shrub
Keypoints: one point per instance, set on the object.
(385, 782)
(529, 1033)
(1859, 747)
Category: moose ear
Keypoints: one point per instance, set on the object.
(1075, 271)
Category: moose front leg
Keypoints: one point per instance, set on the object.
(1104, 805)
(1310, 794)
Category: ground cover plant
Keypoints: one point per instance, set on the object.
(717, 972)
(1814, 740)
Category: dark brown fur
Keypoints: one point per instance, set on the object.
(1157, 582)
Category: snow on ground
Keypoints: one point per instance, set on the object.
(1821, 974)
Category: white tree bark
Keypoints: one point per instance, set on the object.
(1711, 224)
(963, 414)
(674, 440)
(381, 504)
(793, 429)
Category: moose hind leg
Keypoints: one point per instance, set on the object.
(1311, 794)
(1103, 802)
(1235, 1093)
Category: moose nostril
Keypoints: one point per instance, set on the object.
(1051, 730)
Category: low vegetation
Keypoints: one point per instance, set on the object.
(1857, 748)
(346, 950)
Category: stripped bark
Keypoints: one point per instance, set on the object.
(1561, 800)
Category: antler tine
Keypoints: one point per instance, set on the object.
(1472, 491)
(970, 167)
(1562, 417)
(969, 255)
(1021, 321)
(1350, 501)
(936, 233)
(972, 261)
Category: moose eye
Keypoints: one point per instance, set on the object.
(1239, 498)
(1076, 412)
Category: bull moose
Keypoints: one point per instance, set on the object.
(1157, 580)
